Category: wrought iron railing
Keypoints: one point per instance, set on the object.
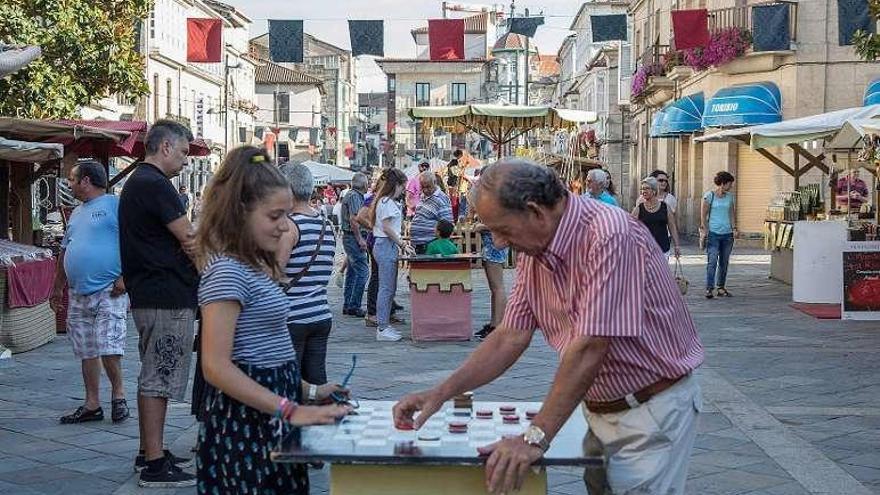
(741, 17)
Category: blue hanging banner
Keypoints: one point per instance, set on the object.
(367, 38)
(286, 41)
(770, 27)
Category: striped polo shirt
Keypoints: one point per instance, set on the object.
(261, 336)
(604, 275)
(308, 296)
(429, 211)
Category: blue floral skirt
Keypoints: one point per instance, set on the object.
(490, 252)
(235, 441)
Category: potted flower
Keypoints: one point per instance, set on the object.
(724, 46)
(642, 78)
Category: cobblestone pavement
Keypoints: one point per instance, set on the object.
(792, 403)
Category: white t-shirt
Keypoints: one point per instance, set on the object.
(387, 208)
(670, 201)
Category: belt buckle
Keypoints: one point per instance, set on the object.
(631, 401)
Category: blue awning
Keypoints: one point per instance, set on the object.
(680, 117)
(744, 104)
(872, 93)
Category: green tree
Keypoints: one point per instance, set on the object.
(868, 44)
(89, 52)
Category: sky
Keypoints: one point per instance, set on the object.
(327, 20)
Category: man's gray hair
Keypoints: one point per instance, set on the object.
(652, 183)
(301, 181)
(94, 171)
(165, 130)
(517, 182)
(428, 177)
(360, 182)
(598, 176)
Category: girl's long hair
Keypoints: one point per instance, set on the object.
(388, 182)
(245, 178)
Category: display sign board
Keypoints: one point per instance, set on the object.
(861, 281)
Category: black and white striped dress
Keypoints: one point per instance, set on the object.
(308, 296)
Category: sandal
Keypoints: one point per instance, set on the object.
(120, 410)
(722, 292)
(82, 415)
(709, 294)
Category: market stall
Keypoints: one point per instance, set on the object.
(808, 229)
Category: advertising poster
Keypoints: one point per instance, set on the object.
(861, 281)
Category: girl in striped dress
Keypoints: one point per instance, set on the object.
(247, 354)
(306, 254)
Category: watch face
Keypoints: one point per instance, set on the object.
(534, 434)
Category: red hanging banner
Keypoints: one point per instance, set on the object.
(204, 40)
(690, 28)
(446, 37)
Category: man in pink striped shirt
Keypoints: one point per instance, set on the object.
(595, 282)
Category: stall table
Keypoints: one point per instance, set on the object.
(369, 456)
(440, 297)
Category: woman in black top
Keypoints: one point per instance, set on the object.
(657, 216)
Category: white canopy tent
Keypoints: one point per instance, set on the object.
(793, 131)
(324, 173)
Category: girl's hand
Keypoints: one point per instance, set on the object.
(318, 415)
(326, 390)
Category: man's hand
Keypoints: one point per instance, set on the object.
(427, 403)
(118, 288)
(509, 463)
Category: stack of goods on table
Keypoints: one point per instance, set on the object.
(26, 279)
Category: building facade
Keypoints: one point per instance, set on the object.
(336, 69)
(423, 82)
(814, 75)
(288, 119)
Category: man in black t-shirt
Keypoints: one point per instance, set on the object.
(157, 242)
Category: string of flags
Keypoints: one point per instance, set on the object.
(446, 37)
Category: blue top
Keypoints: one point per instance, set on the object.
(605, 197)
(719, 215)
(261, 336)
(91, 257)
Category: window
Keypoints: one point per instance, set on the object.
(423, 94)
(282, 107)
(155, 97)
(392, 83)
(459, 94)
(168, 90)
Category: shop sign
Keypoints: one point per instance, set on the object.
(861, 281)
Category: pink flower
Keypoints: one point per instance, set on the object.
(724, 46)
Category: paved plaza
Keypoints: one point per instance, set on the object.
(792, 404)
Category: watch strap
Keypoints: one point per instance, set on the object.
(313, 392)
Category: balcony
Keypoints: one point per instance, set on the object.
(650, 85)
(752, 61)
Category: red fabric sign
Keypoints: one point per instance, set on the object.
(446, 37)
(204, 40)
(29, 283)
(691, 28)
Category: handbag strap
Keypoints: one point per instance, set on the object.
(709, 211)
(293, 280)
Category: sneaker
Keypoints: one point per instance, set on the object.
(356, 312)
(485, 331)
(120, 410)
(140, 462)
(82, 415)
(388, 335)
(710, 293)
(169, 476)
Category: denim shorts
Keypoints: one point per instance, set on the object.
(491, 253)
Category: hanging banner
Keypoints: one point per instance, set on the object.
(770, 27)
(861, 281)
(367, 38)
(690, 28)
(526, 26)
(204, 40)
(286, 41)
(608, 27)
(446, 37)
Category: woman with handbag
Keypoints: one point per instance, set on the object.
(306, 255)
(717, 231)
(657, 216)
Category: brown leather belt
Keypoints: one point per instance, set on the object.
(642, 396)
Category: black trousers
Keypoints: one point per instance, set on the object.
(310, 342)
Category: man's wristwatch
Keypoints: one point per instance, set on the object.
(536, 436)
(313, 392)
